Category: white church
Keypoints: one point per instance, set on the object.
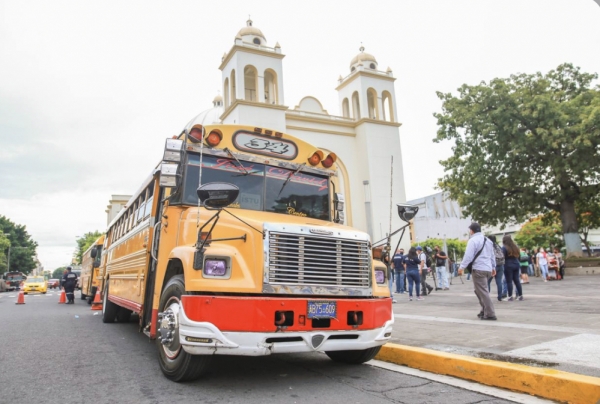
(364, 136)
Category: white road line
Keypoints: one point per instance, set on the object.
(462, 384)
(538, 327)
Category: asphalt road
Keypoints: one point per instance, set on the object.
(53, 353)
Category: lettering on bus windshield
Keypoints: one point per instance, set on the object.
(265, 145)
(283, 174)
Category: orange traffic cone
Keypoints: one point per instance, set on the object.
(63, 298)
(21, 298)
(97, 303)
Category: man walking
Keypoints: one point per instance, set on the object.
(479, 256)
(440, 269)
(423, 268)
(399, 270)
(69, 281)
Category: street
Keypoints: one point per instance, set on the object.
(54, 353)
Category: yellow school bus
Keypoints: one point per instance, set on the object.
(90, 271)
(235, 245)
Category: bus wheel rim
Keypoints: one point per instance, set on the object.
(168, 328)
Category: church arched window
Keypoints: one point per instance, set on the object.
(226, 92)
(355, 106)
(346, 108)
(388, 106)
(250, 83)
(373, 110)
(270, 87)
(233, 89)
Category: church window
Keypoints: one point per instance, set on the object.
(270, 87)
(388, 107)
(226, 92)
(250, 83)
(256, 41)
(352, 69)
(355, 106)
(372, 66)
(372, 108)
(346, 108)
(233, 89)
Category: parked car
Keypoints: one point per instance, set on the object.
(53, 283)
(35, 284)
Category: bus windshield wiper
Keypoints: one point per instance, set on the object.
(246, 172)
(290, 177)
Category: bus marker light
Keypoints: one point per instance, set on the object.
(329, 160)
(214, 138)
(315, 158)
(195, 134)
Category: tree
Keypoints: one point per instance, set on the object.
(538, 233)
(83, 243)
(4, 244)
(22, 246)
(453, 245)
(58, 273)
(524, 146)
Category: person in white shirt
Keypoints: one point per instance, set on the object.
(542, 263)
(480, 254)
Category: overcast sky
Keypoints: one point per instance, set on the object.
(90, 90)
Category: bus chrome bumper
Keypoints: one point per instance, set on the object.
(204, 338)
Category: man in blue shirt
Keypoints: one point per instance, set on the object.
(480, 253)
(399, 271)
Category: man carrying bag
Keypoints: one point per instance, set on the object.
(480, 260)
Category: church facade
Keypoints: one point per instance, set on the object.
(364, 135)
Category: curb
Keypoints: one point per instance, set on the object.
(547, 383)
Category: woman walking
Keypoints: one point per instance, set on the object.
(512, 267)
(543, 263)
(524, 262)
(412, 262)
(499, 255)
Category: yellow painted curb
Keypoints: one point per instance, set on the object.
(547, 383)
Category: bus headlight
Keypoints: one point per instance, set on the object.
(380, 276)
(214, 267)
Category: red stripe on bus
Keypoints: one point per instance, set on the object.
(128, 304)
(257, 314)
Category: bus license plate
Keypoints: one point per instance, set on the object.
(322, 309)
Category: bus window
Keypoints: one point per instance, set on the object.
(219, 169)
(140, 211)
(148, 209)
(305, 195)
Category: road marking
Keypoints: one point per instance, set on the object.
(462, 384)
(538, 327)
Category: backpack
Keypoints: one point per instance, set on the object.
(498, 254)
(427, 260)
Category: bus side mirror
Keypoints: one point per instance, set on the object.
(94, 252)
(169, 168)
(407, 212)
(217, 195)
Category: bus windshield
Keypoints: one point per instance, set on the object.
(262, 187)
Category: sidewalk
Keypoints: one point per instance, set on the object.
(557, 326)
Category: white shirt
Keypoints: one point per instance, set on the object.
(486, 260)
(541, 259)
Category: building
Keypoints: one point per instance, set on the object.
(364, 135)
(115, 204)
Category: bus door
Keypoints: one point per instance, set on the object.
(156, 220)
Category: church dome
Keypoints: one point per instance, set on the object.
(366, 59)
(252, 34)
(218, 100)
(209, 116)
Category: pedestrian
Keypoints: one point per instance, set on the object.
(412, 264)
(499, 277)
(440, 269)
(542, 260)
(388, 264)
(561, 263)
(536, 267)
(399, 271)
(512, 267)
(69, 281)
(479, 258)
(524, 262)
(424, 268)
(530, 266)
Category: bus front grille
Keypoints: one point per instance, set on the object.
(309, 260)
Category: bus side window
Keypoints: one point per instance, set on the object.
(140, 212)
(149, 201)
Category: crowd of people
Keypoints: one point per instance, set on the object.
(507, 264)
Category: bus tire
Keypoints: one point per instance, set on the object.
(354, 357)
(176, 364)
(123, 315)
(109, 309)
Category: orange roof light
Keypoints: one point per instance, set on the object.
(195, 134)
(214, 138)
(329, 160)
(315, 158)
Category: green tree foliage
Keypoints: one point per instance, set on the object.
(523, 146)
(454, 246)
(539, 233)
(4, 244)
(83, 243)
(22, 246)
(58, 273)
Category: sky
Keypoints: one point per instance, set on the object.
(90, 90)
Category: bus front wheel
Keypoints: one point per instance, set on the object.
(354, 357)
(175, 363)
(109, 309)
